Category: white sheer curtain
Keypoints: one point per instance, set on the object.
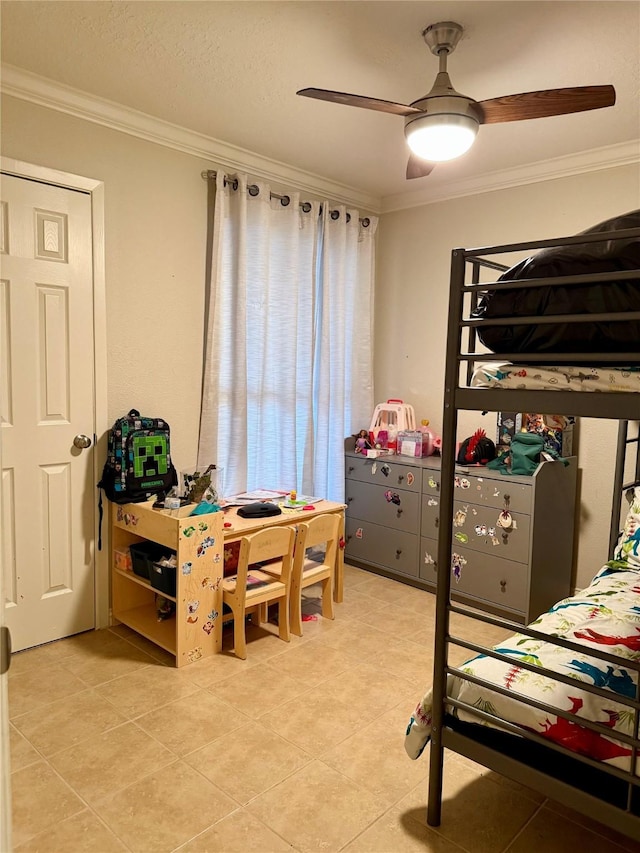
(344, 345)
(288, 370)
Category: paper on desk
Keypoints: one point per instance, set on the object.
(255, 495)
(300, 501)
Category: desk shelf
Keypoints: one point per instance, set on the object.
(130, 576)
(195, 631)
(144, 620)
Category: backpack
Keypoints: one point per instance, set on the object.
(526, 452)
(138, 459)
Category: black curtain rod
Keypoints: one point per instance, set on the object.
(254, 190)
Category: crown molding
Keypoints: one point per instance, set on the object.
(56, 96)
(593, 160)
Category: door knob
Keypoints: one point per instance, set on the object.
(82, 441)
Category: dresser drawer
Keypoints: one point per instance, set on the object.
(391, 549)
(395, 508)
(479, 489)
(483, 578)
(476, 527)
(383, 470)
(486, 577)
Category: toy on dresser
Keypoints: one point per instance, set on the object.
(362, 442)
(389, 419)
(419, 442)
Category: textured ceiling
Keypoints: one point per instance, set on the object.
(230, 70)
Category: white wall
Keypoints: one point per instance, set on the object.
(412, 296)
(155, 234)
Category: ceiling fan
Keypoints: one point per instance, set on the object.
(443, 124)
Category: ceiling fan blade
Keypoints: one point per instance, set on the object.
(548, 102)
(417, 168)
(358, 101)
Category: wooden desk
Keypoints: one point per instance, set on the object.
(243, 526)
(196, 630)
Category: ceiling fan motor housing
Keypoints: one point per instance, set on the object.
(457, 105)
(445, 105)
(442, 37)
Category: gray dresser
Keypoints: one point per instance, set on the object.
(512, 536)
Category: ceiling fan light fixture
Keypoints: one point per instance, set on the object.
(441, 137)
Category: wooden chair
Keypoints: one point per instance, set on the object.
(273, 543)
(315, 556)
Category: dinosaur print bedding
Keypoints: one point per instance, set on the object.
(563, 378)
(605, 616)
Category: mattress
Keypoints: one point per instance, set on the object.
(605, 616)
(562, 378)
(582, 298)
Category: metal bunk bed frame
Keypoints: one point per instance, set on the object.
(458, 396)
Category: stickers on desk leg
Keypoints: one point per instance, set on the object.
(129, 518)
(192, 607)
(206, 543)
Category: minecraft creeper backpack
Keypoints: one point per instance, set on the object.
(138, 462)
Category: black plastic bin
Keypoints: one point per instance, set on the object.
(163, 578)
(144, 555)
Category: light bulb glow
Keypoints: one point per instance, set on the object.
(441, 137)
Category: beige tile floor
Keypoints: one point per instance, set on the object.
(300, 747)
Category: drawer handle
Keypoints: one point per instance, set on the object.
(399, 512)
(503, 586)
(349, 500)
(351, 468)
(437, 523)
(400, 477)
(398, 553)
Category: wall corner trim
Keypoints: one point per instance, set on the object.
(44, 92)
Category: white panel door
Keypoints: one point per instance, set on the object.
(5, 646)
(46, 376)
